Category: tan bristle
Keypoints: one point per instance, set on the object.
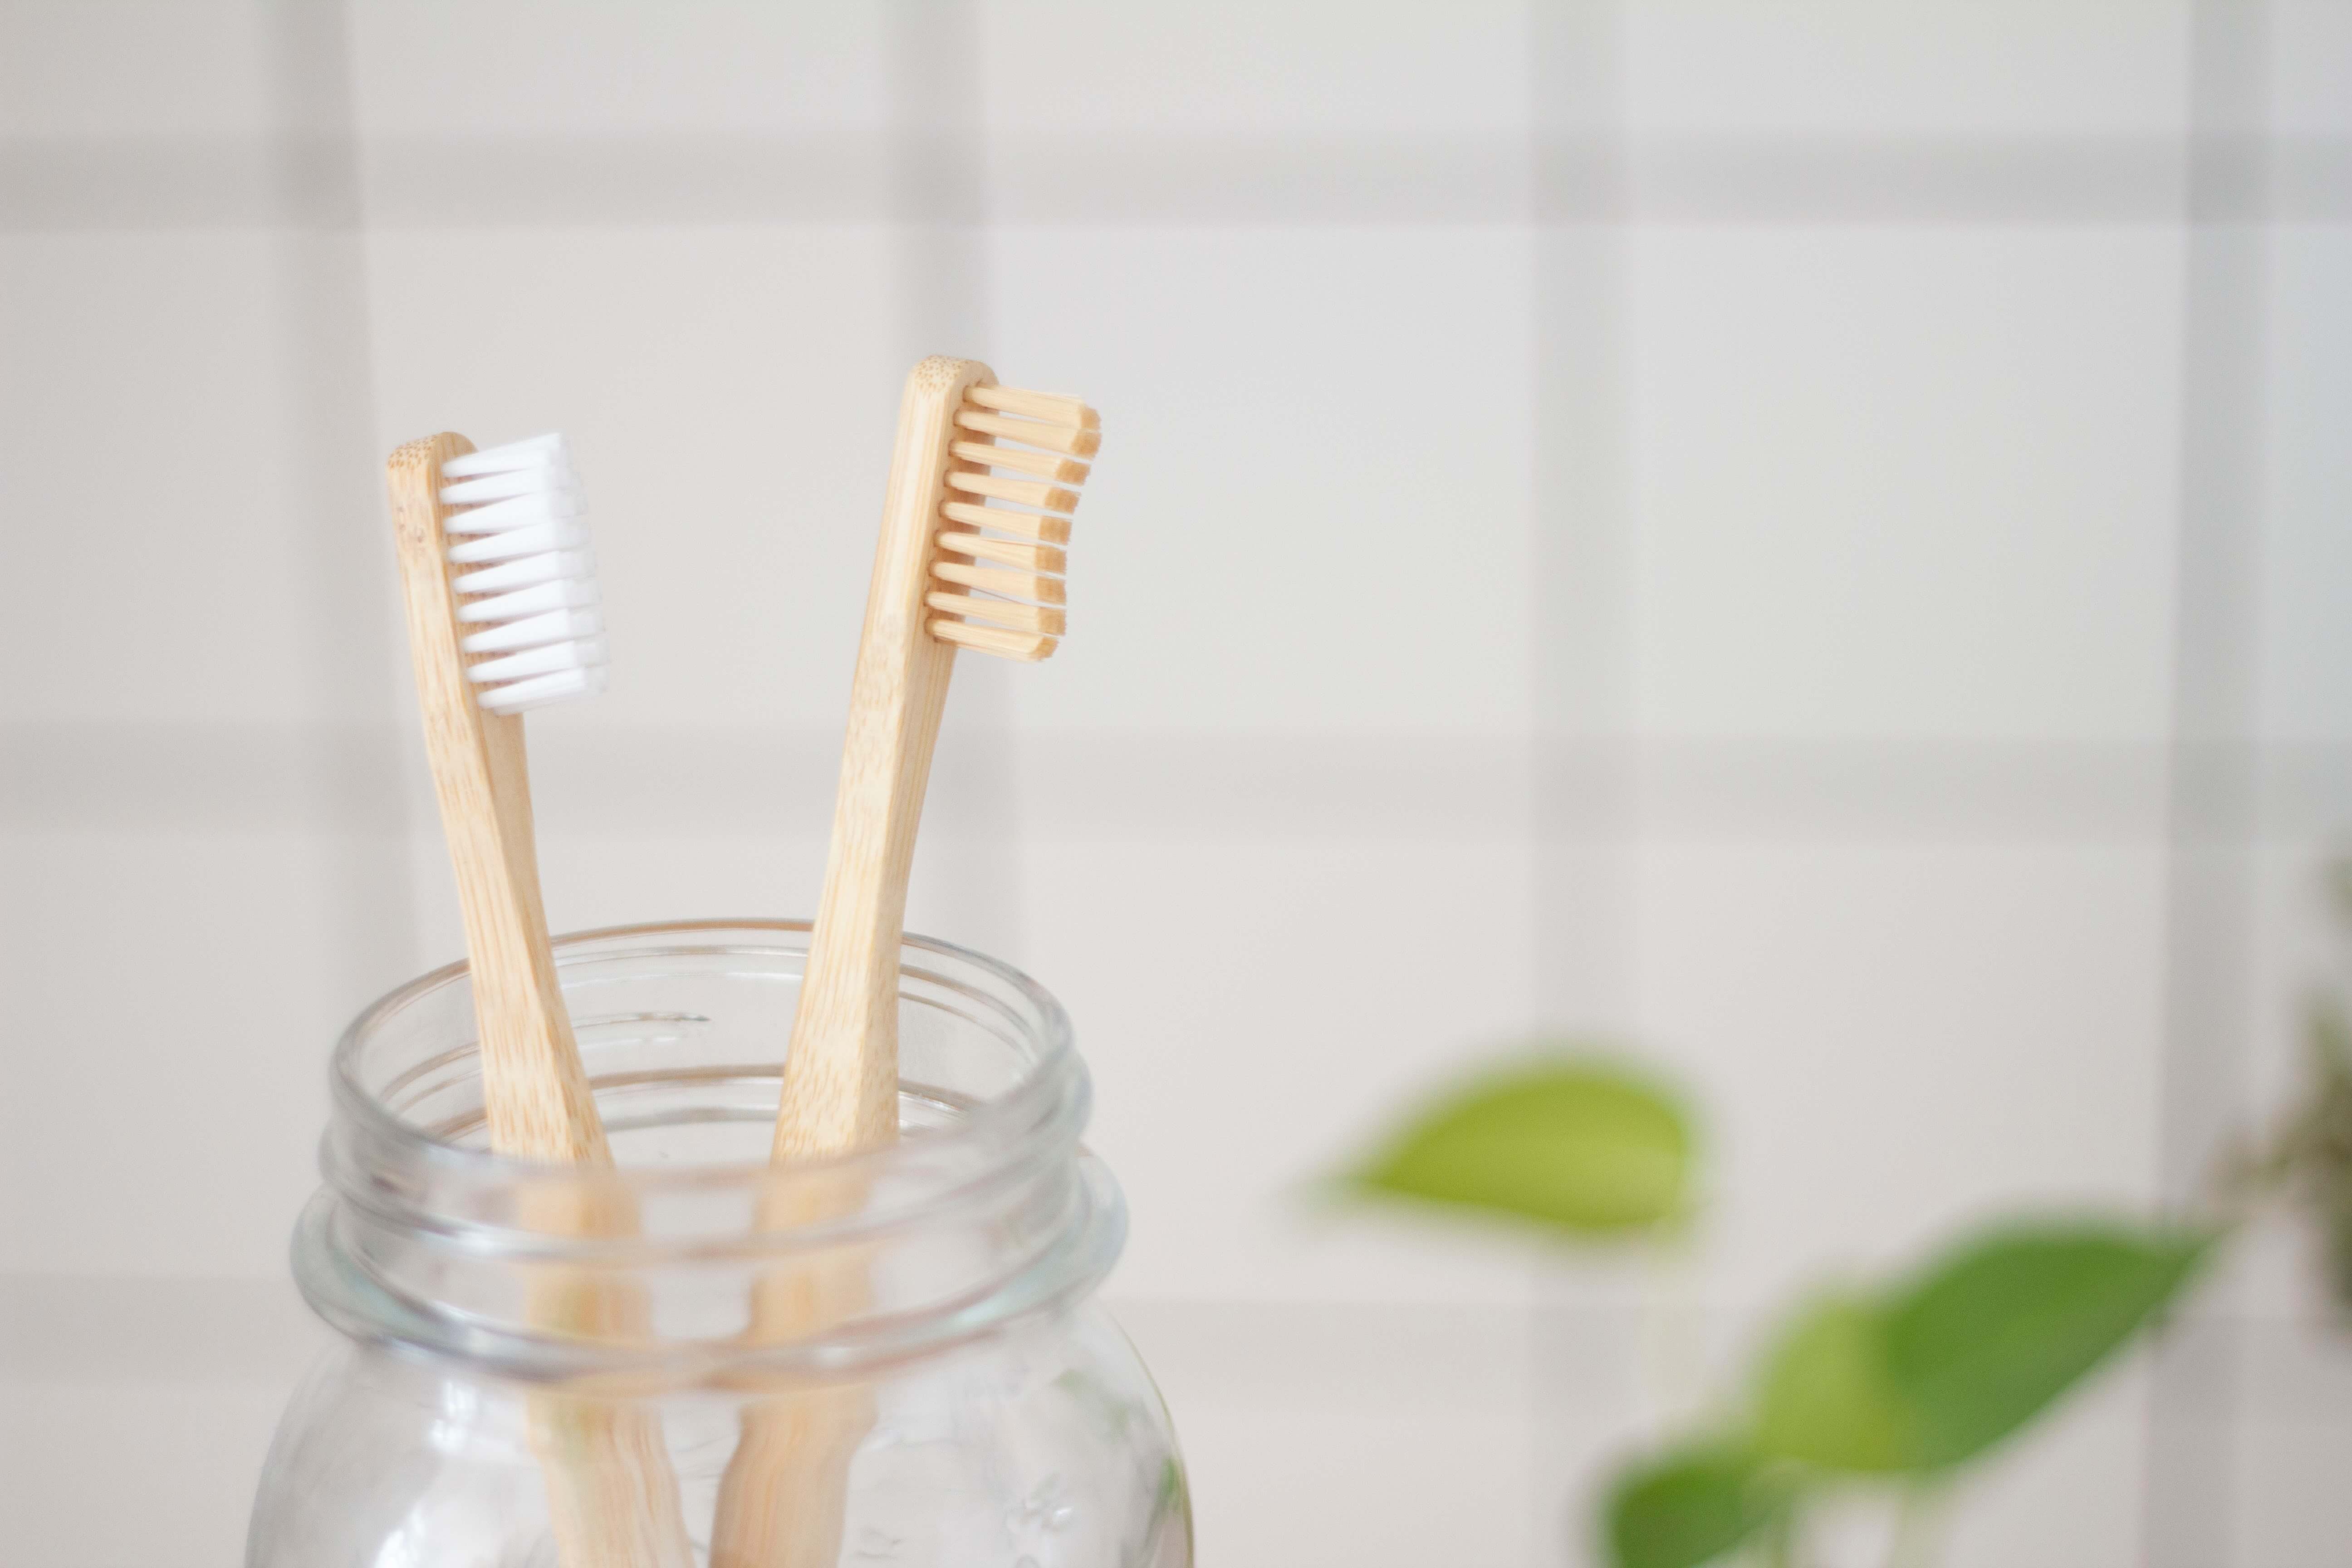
(1004, 612)
(1027, 646)
(1050, 406)
(1020, 492)
(995, 580)
(1062, 470)
(1005, 552)
(1054, 437)
(1043, 424)
(1044, 528)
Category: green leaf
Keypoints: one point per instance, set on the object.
(1980, 1343)
(1690, 1507)
(1990, 1334)
(1828, 1396)
(1583, 1147)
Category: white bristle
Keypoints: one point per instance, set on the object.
(531, 602)
(534, 594)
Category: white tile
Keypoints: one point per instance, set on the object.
(2291, 1508)
(729, 396)
(109, 68)
(1255, 1015)
(541, 68)
(1310, 511)
(1904, 481)
(1948, 68)
(1888, 1043)
(2288, 1507)
(1309, 1483)
(2305, 548)
(1180, 786)
(2068, 1492)
(158, 566)
(595, 880)
(605, 879)
(184, 993)
(963, 890)
(155, 1330)
(1291, 1417)
(2309, 82)
(1320, 69)
(100, 1474)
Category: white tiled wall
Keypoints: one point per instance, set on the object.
(445, 70)
(1658, 521)
(1849, 68)
(1896, 481)
(1317, 450)
(144, 371)
(119, 68)
(718, 384)
(1896, 1038)
(1319, 70)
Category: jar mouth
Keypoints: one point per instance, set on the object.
(1052, 1056)
(986, 1208)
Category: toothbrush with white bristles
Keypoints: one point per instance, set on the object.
(504, 617)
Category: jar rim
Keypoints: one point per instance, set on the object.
(416, 1241)
(1021, 1104)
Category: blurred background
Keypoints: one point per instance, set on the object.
(1807, 541)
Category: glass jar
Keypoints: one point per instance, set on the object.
(947, 1394)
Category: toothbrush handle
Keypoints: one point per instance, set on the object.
(841, 1075)
(535, 1093)
(612, 1499)
(783, 1500)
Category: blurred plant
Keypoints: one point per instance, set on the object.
(2306, 1162)
(1895, 1386)
(1580, 1146)
(1902, 1385)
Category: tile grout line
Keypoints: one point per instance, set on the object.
(2189, 1502)
(969, 883)
(329, 370)
(853, 177)
(241, 778)
(1582, 842)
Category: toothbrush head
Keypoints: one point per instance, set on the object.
(528, 579)
(997, 574)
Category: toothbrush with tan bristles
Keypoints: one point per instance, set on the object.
(503, 617)
(982, 482)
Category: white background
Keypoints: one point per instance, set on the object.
(1812, 543)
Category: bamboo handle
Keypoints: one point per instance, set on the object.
(783, 1502)
(840, 1076)
(612, 1498)
(535, 1092)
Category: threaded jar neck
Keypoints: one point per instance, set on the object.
(641, 1276)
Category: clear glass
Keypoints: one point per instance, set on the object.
(937, 1313)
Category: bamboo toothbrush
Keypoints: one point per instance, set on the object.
(504, 620)
(950, 571)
